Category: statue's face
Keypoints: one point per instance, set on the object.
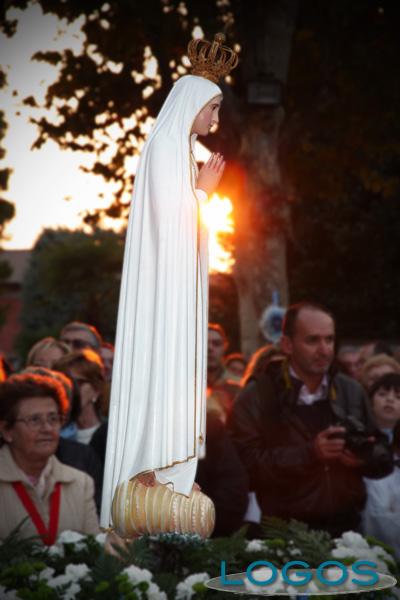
(208, 117)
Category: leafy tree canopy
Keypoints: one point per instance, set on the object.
(341, 151)
(132, 52)
(340, 143)
(7, 210)
(71, 276)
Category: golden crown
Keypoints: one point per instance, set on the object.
(211, 60)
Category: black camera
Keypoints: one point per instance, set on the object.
(357, 440)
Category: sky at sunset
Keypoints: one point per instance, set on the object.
(41, 179)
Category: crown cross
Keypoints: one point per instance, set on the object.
(211, 60)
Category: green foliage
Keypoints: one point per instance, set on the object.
(7, 209)
(340, 147)
(167, 582)
(393, 562)
(139, 553)
(341, 152)
(105, 568)
(32, 569)
(283, 535)
(108, 93)
(80, 554)
(71, 276)
(177, 554)
(230, 549)
(15, 549)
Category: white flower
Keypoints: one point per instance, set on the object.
(72, 574)
(184, 589)
(265, 574)
(72, 591)
(334, 574)
(310, 589)
(352, 539)
(357, 554)
(56, 551)
(60, 580)
(101, 538)
(154, 592)
(77, 572)
(136, 575)
(353, 545)
(350, 586)
(381, 552)
(10, 595)
(344, 552)
(298, 576)
(255, 546)
(292, 591)
(46, 574)
(71, 537)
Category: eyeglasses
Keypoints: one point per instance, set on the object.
(35, 422)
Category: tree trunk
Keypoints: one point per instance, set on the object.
(263, 215)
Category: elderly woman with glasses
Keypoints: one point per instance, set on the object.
(46, 496)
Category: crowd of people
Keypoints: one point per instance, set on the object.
(300, 430)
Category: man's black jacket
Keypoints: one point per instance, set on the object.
(276, 444)
(223, 478)
(84, 458)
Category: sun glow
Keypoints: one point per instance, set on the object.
(217, 216)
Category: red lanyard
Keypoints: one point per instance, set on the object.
(48, 535)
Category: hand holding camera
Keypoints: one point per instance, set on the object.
(349, 442)
(330, 443)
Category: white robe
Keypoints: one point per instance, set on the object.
(157, 407)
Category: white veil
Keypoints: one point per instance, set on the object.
(157, 407)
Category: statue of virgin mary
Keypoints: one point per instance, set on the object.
(158, 403)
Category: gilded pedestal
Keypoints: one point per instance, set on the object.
(138, 509)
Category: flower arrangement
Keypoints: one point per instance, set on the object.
(167, 566)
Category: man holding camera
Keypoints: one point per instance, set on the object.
(305, 432)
